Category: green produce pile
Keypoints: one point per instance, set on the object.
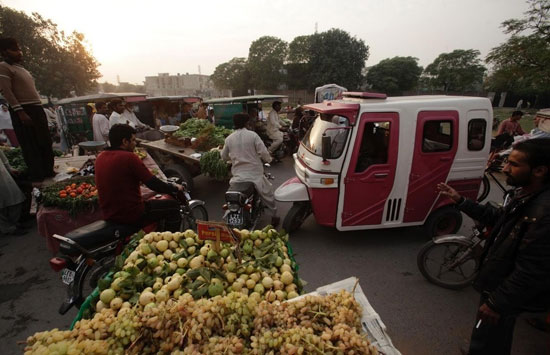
(208, 135)
(52, 196)
(213, 165)
(174, 294)
(15, 158)
(232, 324)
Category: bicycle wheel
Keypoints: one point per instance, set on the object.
(484, 189)
(438, 264)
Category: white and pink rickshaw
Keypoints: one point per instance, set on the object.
(371, 161)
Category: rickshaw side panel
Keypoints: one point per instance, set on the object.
(430, 166)
(366, 190)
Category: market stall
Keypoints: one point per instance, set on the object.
(180, 153)
(58, 216)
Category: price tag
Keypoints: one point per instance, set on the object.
(219, 232)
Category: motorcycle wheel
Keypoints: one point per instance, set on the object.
(296, 216)
(197, 213)
(435, 263)
(90, 277)
(181, 172)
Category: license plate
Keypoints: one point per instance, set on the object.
(235, 219)
(67, 276)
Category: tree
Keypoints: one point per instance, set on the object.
(60, 64)
(297, 65)
(394, 75)
(233, 75)
(521, 63)
(336, 57)
(459, 71)
(266, 58)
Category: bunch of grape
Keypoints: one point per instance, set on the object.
(232, 324)
(63, 342)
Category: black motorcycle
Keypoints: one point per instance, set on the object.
(88, 253)
(243, 205)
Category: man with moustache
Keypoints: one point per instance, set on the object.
(28, 117)
(514, 271)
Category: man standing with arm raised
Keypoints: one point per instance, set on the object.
(514, 271)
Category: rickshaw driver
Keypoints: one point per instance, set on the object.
(274, 127)
(246, 151)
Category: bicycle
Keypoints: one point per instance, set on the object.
(452, 261)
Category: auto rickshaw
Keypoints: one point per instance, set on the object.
(371, 161)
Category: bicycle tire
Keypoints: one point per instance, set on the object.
(436, 279)
(484, 189)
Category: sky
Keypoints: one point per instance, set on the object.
(134, 39)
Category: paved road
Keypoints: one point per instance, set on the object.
(421, 318)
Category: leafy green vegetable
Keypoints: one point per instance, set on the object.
(15, 158)
(212, 165)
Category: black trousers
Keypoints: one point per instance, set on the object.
(165, 212)
(35, 142)
(493, 339)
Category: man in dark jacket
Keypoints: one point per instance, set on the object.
(514, 273)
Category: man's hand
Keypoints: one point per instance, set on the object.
(486, 314)
(448, 191)
(25, 119)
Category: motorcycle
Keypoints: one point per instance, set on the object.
(243, 207)
(89, 252)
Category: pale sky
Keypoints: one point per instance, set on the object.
(134, 39)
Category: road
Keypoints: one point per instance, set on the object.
(421, 318)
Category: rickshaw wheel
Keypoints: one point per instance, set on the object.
(446, 220)
(296, 216)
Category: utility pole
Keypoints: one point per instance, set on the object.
(315, 27)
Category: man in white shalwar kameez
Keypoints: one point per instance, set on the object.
(274, 127)
(245, 150)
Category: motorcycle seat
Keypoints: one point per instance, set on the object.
(246, 188)
(96, 234)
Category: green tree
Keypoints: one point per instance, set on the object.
(59, 63)
(233, 75)
(521, 64)
(459, 71)
(266, 58)
(394, 75)
(336, 57)
(298, 68)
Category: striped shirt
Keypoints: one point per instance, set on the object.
(17, 86)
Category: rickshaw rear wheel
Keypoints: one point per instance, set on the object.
(446, 220)
(296, 216)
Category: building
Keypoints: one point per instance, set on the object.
(165, 84)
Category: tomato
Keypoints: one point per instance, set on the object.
(62, 195)
(79, 190)
(73, 186)
(73, 194)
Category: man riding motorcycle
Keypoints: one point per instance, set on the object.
(118, 175)
(246, 151)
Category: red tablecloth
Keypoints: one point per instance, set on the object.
(53, 220)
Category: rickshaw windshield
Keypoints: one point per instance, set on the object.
(327, 124)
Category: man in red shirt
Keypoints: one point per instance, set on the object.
(511, 125)
(118, 175)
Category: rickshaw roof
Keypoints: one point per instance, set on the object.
(228, 100)
(352, 104)
(128, 96)
(175, 98)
